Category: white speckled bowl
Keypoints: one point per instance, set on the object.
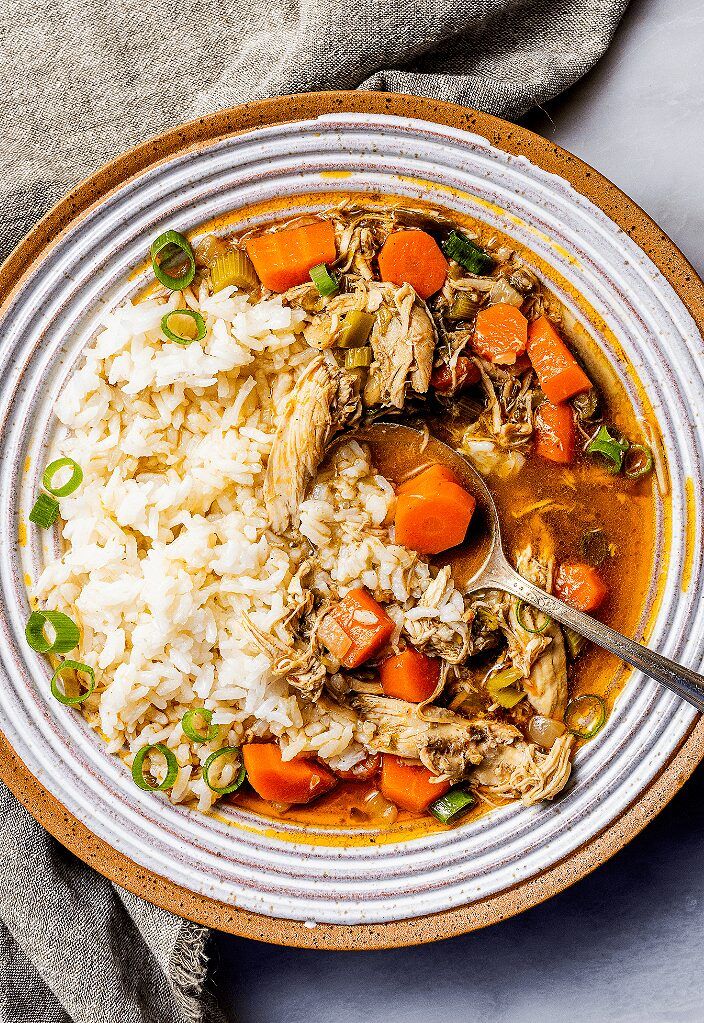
(237, 861)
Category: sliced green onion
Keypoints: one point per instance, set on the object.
(167, 246)
(463, 307)
(502, 688)
(324, 281)
(45, 511)
(541, 624)
(356, 328)
(175, 330)
(171, 768)
(79, 668)
(190, 729)
(66, 632)
(356, 358)
(595, 547)
(239, 778)
(233, 268)
(638, 461)
(453, 805)
(575, 642)
(73, 483)
(467, 254)
(611, 448)
(585, 716)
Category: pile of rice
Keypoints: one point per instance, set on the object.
(167, 543)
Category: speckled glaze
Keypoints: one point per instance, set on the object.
(295, 885)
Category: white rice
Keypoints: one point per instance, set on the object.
(167, 543)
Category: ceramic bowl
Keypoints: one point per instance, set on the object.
(283, 881)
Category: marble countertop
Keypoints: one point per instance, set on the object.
(627, 942)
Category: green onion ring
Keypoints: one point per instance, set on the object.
(234, 785)
(581, 705)
(192, 732)
(45, 511)
(72, 484)
(171, 240)
(67, 633)
(171, 768)
(611, 448)
(325, 282)
(539, 630)
(454, 804)
(647, 455)
(178, 338)
(72, 701)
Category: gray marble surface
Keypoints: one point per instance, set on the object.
(626, 943)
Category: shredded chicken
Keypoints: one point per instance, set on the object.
(322, 403)
(403, 342)
(523, 771)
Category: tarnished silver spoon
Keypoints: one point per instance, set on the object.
(480, 563)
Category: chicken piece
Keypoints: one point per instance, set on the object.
(403, 341)
(322, 403)
(522, 770)
(481, 750)
(297, 662)
(449, 640)
(448, 745)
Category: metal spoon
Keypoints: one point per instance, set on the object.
(480, 563)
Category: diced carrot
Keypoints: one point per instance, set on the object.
(415, 258)
(283, 259)
(559, 373)
(355, 629)
(434, 518)
(408, 784)
(500, 334)
(292, 781)
(428, 479)
(466, 375)
(362, 771)
(410, 675)
(580, 585)
(555, 433)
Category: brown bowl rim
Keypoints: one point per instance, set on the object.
(115, 866)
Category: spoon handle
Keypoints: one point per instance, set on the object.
(686, 683)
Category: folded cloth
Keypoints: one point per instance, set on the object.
(82, 82)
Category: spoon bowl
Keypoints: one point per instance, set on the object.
(400, 451)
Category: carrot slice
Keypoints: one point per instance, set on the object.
(415, 258)
(408, 784)
(430, 478)
(500, 334)
(466, 375)
(356, 629)
(559, 373)
(283, 259)
(411, 676)
(292, 781)
(555, 433)
(433, 519)
(580, 585)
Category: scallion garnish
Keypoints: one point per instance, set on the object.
(585, 715)
(358, 358)
(80, 669)
(638, 461)
(190, 729)
(611, 448)
(73, 483)
(454, 804)
(239, 777)
(458, 247)
(66, 632)
(163, 250)
(541, 623)
(138, 767)
(173, 326)
(324, 281)
(45, 511)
